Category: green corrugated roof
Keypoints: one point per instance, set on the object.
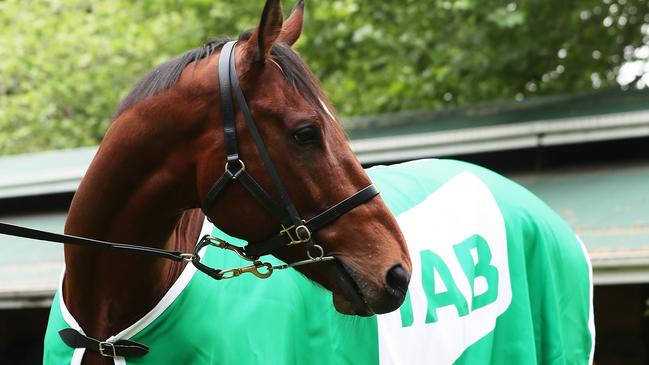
(608, 206)
(498, 114)
(30, 269)
(44, 172)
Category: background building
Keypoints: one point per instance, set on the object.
(586, 155)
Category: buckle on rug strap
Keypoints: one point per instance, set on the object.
(103, 346)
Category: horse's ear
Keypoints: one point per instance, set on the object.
(292, 27)
(269, 28)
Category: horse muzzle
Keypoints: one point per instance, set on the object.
(362, 298)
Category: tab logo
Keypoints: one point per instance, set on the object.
(460, 281)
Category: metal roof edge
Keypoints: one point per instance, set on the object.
(503, 137)
(614, 267)
(44, 173)
(508, 111)
(603, 259)
(30, 298)
(619, 276)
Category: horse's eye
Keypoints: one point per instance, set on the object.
(306, 135)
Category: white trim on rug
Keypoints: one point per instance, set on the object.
(164, 303)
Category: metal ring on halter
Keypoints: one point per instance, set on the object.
(239, 171)
(217, 242)
(318, 247)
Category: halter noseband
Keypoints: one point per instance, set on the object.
(295, 230)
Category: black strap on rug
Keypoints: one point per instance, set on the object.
(121, 348)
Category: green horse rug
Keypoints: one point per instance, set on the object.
(498, 278)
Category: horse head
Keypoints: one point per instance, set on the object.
(298, 134)
(317, 167)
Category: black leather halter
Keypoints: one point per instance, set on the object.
(294, 229)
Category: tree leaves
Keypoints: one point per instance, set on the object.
(65, 64)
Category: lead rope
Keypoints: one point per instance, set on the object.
(194, 258)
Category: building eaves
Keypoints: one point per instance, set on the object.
(537, 133)
(44, 173)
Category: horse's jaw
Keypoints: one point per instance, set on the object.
(349, 300)
(354, 294)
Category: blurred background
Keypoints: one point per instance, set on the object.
(551, 93)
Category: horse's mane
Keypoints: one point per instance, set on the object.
(166, 75)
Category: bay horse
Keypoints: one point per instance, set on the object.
(166, 148)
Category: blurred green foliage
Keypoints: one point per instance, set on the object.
(65, 64)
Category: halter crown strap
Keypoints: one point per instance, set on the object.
(235, 168)
(261, 147)
(227, 109)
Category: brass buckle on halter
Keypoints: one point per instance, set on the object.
(107, 345)
(297, 234)
(253, 269)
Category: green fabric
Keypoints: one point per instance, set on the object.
(56, 352)
(287, 319)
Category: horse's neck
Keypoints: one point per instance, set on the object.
(131, 196)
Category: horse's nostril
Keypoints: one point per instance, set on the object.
(397, 279)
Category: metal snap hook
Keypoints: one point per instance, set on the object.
(262, 274)
(229, 273)
(251, 269)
